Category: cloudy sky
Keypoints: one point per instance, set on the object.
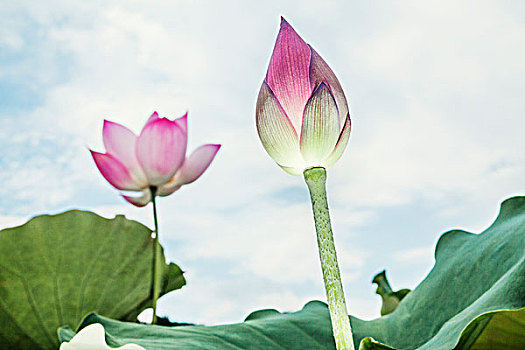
(436, 97)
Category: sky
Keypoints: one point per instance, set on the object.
(435, 91)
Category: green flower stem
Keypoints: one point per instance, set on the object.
(155, 281)
(316, 180)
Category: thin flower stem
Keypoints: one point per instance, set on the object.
(155, 282)
(316, 180)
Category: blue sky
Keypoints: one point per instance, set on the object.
(435, 90)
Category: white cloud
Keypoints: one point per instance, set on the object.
(420, 254)
(11, 221)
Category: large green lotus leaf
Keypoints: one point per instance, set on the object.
(472, 294)
(266, 329)
(54, 270)
(473, 275)
(495, 330)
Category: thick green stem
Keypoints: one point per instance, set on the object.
(155, 281)
(316, 180)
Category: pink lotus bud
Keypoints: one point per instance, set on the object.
(154, 159)
(302, 116)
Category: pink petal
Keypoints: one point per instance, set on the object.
(276, 132)
(195, 165)
(139, 201)
(320, 130)
(321, 73)
(169, 187)
(340, 145)
(289, 73)
(192, 168)
(154, 116)
(161, 149)
(114, 172)
(182, 122)
(120, 143)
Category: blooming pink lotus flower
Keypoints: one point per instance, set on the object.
(302, 115)
(156, 159)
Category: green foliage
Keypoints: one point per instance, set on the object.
(473, 275)
(267, 329)
(495, 330)
(370, 344)
(390, 299)
(471, 298)
(54, 270)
